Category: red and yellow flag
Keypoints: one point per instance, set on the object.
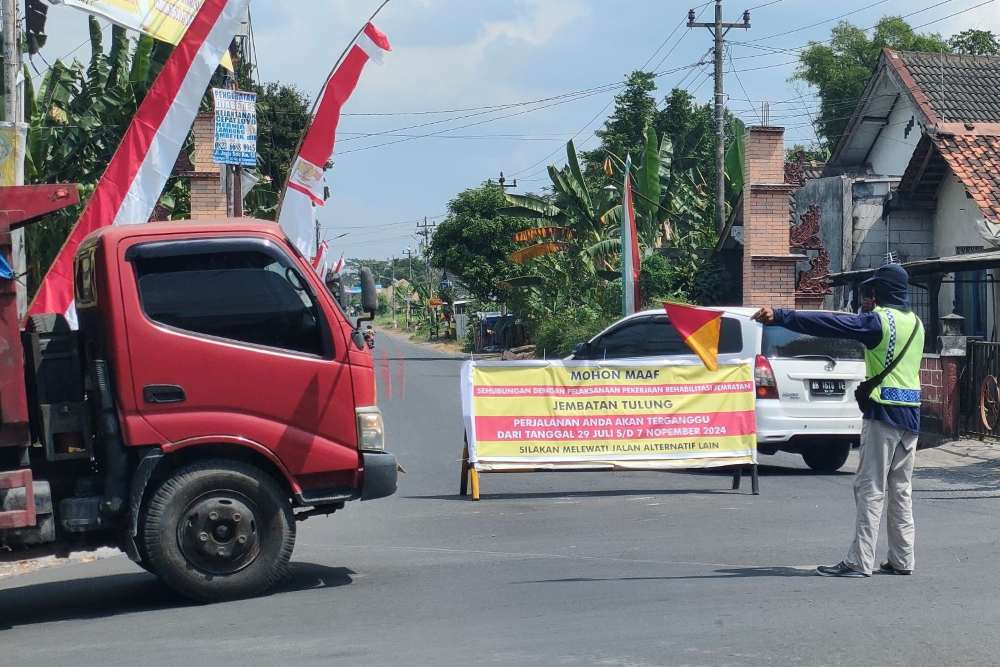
(699, 328)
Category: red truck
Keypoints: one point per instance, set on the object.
(214, 394)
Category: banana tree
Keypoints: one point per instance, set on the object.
(77, 117)
(573, 222)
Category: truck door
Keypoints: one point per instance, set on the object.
(228, 340)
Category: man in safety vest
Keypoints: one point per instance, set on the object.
(891, 419)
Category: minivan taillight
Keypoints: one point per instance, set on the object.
(763, 377)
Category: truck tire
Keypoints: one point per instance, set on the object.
(829, 457)
(219, 530)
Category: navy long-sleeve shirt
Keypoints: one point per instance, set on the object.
(866, 328)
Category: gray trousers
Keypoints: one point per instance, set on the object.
(885, 476)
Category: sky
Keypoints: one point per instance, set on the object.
(515, 80)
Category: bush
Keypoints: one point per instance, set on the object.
(557, 335)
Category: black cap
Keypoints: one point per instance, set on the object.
(890, 283)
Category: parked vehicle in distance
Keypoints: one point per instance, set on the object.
(805, 385)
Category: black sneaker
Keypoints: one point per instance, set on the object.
(889, 568)
(841, 569)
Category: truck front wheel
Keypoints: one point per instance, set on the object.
(219, 530)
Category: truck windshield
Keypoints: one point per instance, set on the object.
(780, 342)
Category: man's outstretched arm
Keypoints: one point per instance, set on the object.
(866, 327)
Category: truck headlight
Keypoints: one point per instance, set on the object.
(371, 431)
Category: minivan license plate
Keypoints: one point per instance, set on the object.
(828, 387)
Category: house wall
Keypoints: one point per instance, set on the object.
(869, 235)
(894, 146)
(954, 227)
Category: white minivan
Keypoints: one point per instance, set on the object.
(805, 385)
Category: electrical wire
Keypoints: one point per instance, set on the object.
(736, 73)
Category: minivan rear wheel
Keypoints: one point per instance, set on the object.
(827, 457)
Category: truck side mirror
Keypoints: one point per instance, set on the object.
(369, 295)
(580, 350)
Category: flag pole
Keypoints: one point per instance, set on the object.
(319, 97)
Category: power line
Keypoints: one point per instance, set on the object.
(605, 107)
(736, 72)
(813, 25)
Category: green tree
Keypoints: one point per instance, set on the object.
(839, 70)
(282, 117)
(76, 121)
(975, 43)
(624, 132)
(476, 238)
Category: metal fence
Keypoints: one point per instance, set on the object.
(982, 414)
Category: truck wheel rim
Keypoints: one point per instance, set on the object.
(218, 532)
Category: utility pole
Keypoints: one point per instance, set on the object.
(11, 60)
(318, 241)
(392, 301)
(425, 230)
(718, 28)
(14, 114)
(409, 255)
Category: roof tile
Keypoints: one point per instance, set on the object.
(975, 160)
(959, 88)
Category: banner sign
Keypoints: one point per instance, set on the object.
(546, 415)
(165, 20)
(235, 128)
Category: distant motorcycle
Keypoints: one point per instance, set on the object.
(370, 338)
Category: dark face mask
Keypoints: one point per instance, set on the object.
(868, 300)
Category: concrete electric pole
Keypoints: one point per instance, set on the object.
(719, 29)
(13, 113)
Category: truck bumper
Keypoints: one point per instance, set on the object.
(380, 473)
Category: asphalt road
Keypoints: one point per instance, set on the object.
(548, 569)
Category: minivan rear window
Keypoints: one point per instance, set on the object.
(784, 343)
(655, 337)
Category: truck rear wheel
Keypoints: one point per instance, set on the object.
(827, 457)
(219, 530)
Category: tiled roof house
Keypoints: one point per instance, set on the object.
(919, 171)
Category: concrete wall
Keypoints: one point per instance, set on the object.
(833, 196)
(869, 235)
(894, 146)
(955, 227)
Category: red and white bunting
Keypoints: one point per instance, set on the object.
(631, 259)
(306, 183)
(134, 179)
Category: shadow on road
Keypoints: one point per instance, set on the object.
(115, 594)
(725, 573)
(765, 470)
(611, 493)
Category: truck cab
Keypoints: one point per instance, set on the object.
(213, 394)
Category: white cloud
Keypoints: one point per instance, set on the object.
(459, 61)
(986, 17)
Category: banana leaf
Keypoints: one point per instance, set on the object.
(612, 218)
(139, 74)
(535, 233)
(118, 59)
(524, 281)
(647, 178)
(538, 250)
(581, 185)
(735, 158)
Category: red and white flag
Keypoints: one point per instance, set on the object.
(631, 259)
(338, 268)
(306, 186)
(320, 257)
(131, 185)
